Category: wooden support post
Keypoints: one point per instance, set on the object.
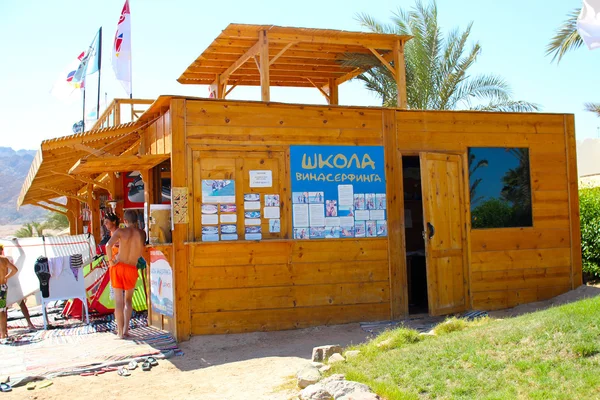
(333, 92)
(400, 68)
(149, 198)
(72, 215)
(94, 206)
(180, 265)
(263, 41)
(395, 209)
(574, 214)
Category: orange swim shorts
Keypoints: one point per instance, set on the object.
(123, 276)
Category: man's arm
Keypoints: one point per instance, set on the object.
(12, 270)
(109, 245)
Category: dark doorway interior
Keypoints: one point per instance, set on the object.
(415, 244)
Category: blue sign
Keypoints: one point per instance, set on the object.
(338, 191)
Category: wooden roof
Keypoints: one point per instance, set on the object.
(298, 57)
(48, 175)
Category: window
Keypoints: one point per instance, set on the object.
(500, 187)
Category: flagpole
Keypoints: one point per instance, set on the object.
(99, 71)
(83, 114)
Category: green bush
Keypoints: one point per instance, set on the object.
(589, 207)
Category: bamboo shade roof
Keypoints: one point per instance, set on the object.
(48, 175)
(298, 57)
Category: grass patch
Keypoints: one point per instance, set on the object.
(551, 354)
(291, 383)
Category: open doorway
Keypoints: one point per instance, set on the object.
(416, 271)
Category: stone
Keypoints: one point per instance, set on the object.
(359, 396)
(336, 358)
(352, 353)
(325, 368)
(315, 392)
(322, 353)
(317, 364)
(307, 376)
(340, 387)
(385, 343)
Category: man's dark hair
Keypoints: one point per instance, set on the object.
(112, 217)
(130, 216)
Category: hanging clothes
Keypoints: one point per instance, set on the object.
(42, 271)
(57, 264)
(76, 262)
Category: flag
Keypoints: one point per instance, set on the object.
(121, 53)
(90, 62)
(64, 87)
(588, 23)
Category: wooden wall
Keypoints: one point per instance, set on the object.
(157, 136)
(510, 266)
(278, 284)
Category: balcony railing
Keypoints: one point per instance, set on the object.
(121, 111)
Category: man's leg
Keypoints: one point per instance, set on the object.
(119, 311)
(128, 310)
(3, 328)
(25, 312)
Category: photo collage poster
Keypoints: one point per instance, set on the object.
(338, 192)
(219, 211)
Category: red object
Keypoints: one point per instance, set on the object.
(133, 190)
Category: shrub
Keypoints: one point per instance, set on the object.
(589, 207)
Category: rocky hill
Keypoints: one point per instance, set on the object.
(14, 166)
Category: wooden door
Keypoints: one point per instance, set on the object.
(444, 231)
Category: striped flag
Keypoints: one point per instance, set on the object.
(588, 23)
(121, 52)
(64, 87)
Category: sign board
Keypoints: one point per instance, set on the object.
(261, 179)
(161, 283)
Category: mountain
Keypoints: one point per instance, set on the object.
(14, 166)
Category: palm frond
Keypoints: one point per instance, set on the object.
(566, 37)
(593, 107)
(508, 106)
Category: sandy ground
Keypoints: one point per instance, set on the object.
(233, 367)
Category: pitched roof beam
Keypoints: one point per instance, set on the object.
(56, 210)
(66, 194)
(252, 51)
(287, 46)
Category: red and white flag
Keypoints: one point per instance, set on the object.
(65, 86)
(121, 52)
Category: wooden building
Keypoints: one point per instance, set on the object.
(288, 215)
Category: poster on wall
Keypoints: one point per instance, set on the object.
(338, 192)
(261, 179)
(161, 283)
(218, 191)
(133, 188)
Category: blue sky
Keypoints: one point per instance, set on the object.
(40, 38)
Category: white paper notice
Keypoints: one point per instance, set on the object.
(377, 215)
(233, 236)
(274, 225)
(317, 215)
(271, 212)
(228, 218)
(345, 195)
(253, 236)
(300, 216)
(333, 221)
(361, 215)
(261, 178)
(346, 221)
(252, 205)
(252, 221)
(209, 219)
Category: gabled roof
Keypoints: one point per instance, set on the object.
(299, 57)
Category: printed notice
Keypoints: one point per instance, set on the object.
(252, 221)
(261, 178)
(345, 195)
(300, 214)
(335, 221)
(377, 214)
(210, 219)
(271, 212)
(252, 205)
(317, 215)
(346, 221)
(228, 218)
(361, 215)
(274, 226)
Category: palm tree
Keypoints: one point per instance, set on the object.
(567, 39)
(31, 229)
(436, 67)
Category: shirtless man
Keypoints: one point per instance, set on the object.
(7, 270)
(123, 270)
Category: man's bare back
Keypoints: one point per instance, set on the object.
(6, 268)
(131, 244)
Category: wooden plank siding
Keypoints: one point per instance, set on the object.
(511, 266)
(297, 281)
(157, 136)
(278, 283)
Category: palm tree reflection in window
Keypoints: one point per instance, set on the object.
(501, 192)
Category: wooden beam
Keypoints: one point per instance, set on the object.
(83, 179)
(230, 89)
(357, 71)
(383, 61)
(56, 210)
(90, 136)
(54, 203)
(69, 195)
(238, 63)
(323, 92)
(400, 75)
(263, 42)
(333, 92)
(281, 52)
(117, 164)
(91, 150)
